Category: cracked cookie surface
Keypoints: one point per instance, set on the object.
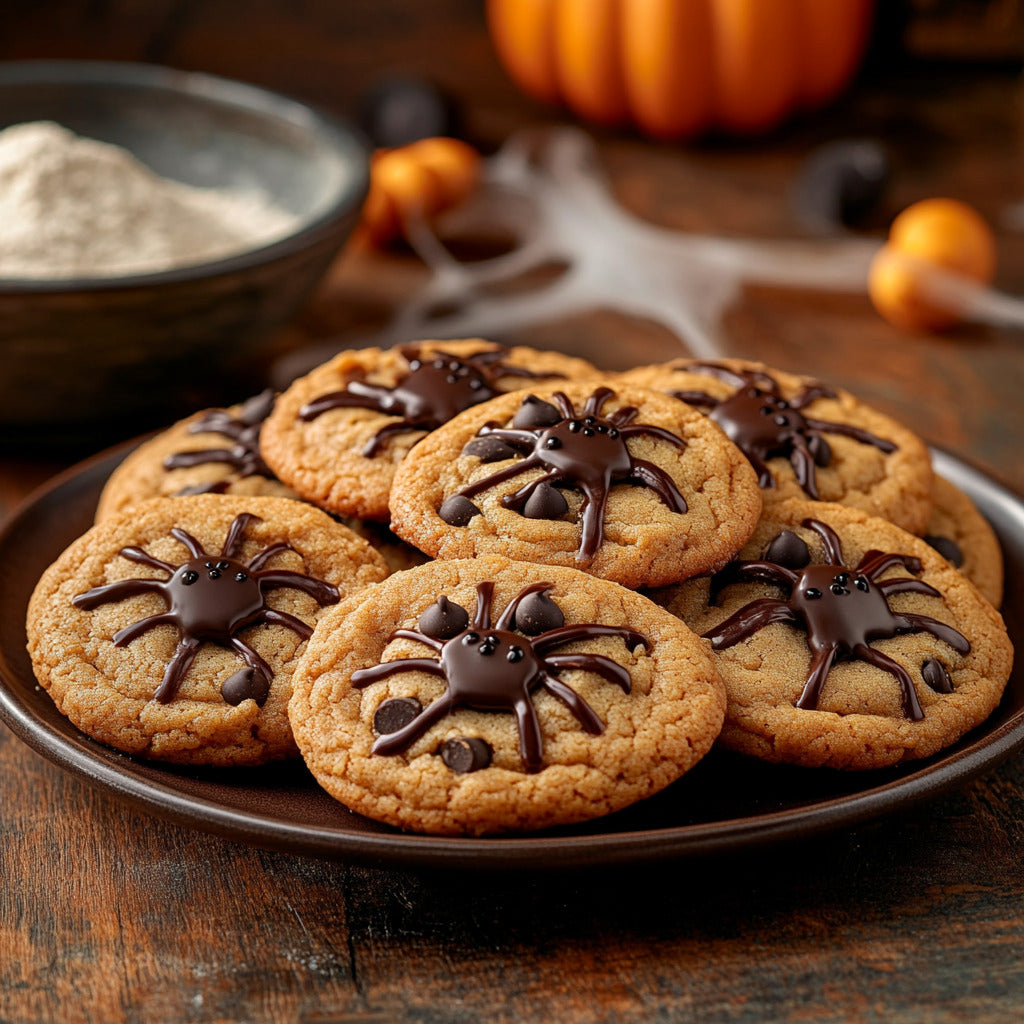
(624, 483)
(501, 696)
(343, 457)
(808, 440)
(171, 630)
(859, 652)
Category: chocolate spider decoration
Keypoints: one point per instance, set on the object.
(434, 390)
(495, 668)
(211, 599)
(584, 450)
(842, 610)
(243, 456)
(764, 425)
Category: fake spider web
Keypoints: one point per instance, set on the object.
(550, 193)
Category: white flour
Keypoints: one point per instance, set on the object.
(75, 207)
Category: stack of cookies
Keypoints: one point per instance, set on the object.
(482, 589)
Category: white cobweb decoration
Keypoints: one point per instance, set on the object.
(551, 194)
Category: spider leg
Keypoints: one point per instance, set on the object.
(911, 623)
(389, 430)
(531, 745)
(258, 561)
(724, 374)
(700, 398)
(518, 499)
(660, 482)
(829, 539)
(864, 436)
(810, 393)
(522, 440)
(623, 416)
(484, 599)
(233, 541)
(565, 407)
(499, 477)
(135, 554)
(184, 654)
(183, 460)
(196, 550)
(509, 614)
(584, 713)
(372, 398)
(252, 659)
(821, 665)
(598, 663)
(594, 500)
(276, 617)
(217, 421)
(394, 742)
(410, 634)
(802, 462)
(652, 431)
(901, 586)
(741, 572)
(567, 634)
(747, 620)
(764, 474)
(114, 592)
(874, 563)
(364, 676)
(325, 593)
(596, 402)
(125, 636)
(908, 695)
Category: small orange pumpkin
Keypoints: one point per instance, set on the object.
(677, 68)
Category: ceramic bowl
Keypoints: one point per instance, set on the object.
(93, 358)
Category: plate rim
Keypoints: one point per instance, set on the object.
(936, 775)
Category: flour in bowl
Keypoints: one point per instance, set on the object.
(75, 207)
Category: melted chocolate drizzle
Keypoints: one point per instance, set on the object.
(497, 668)
(244, 454)
(765, 425)
(581, 450)
(842, 610)
(435, 389)
(210, 599)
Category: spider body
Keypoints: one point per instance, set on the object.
(582, 450)
(498, 669)
(842, 610)
(764, 425)
(243, 456)
(210, 599)
(434, 390)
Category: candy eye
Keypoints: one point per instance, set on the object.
(189, 577)
(514, 654)
(812, 593)
(554, 442)
(471, 638)
(862, 584)
(241, 577)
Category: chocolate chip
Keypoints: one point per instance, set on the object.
(537, 614)
(534, 413)
(546, 502)
(948, 548)
(466, 754)
(820, 449)
(936, 675)
(489, 449)
(788, 550)
(458, 511)
(246, 684)
(443, 619)
(395, 713)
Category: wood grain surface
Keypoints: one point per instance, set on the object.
(110, 916)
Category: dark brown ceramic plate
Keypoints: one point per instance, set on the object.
(722, 806)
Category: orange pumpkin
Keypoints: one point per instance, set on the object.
(676, 68)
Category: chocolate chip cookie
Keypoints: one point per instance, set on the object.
(171, 630)
(484, 695)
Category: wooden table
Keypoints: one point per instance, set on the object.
(109, 915)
